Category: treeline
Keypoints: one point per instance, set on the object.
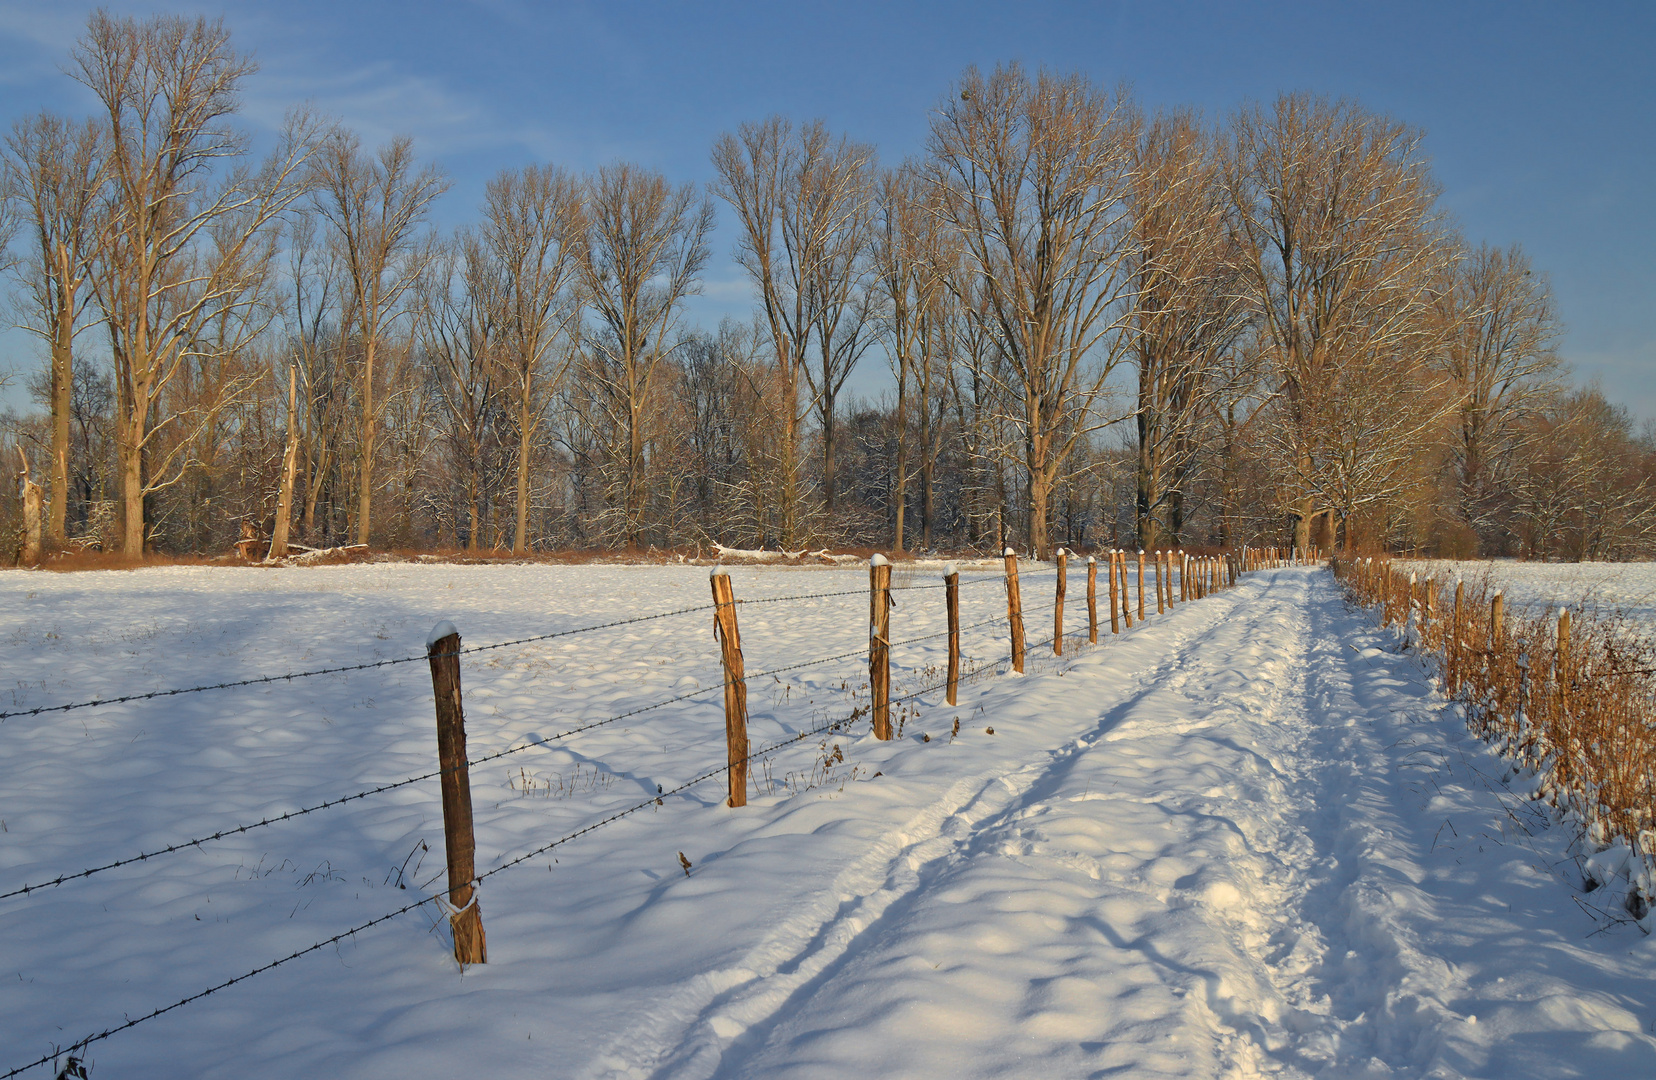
(1103, 327)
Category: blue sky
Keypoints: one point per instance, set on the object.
(1540, 118)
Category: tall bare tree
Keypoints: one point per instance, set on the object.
(55, 170)
(460, 332)
(802, 198)
(178, 248)
(1335, 209)
(1187, 311)
(1501, 358)
(640, 251)
(376, 206)
(529, 222)
(1033, 176)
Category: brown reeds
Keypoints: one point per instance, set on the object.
(1568, 695)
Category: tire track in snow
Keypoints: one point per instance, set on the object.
(691, 1033)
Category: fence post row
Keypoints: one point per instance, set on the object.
(1062, 557)
(735, 688)
(879, 643)
(951, 595)
(1014, 610)
(459, 843)
(1092, 600)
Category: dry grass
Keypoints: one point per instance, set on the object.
(1567, 694)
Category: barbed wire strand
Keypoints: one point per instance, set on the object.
(543, 849)
(25, 890)
(290, 676)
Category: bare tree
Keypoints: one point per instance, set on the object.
(640, 252)
(908, 266)
(803, 200)
(529, 221)
(1188, 312)
(178, 250)
(1501, 357)
(460, 332)
(1334, 206)
(1033, 176)
(55, 170)
(376, 207)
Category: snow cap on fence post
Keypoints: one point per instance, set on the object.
(442, 630)
(878, 560)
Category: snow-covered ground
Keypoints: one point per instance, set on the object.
(1627, 588)
(1241, 840)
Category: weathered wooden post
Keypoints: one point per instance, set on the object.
(1092, 600)
(951, 593)
(1058, 603)
(1126, 592)
(1496, 622)
(1141, 583)
(1115, 612)
(459, 843)
(1014, 610)
(1453, 651)
(1430, 609)
(879, 644)
(1161, 583)
(735, 688)
(1561, 674)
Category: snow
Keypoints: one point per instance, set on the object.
(439, 632)
(1243, 839)
(1626, 588)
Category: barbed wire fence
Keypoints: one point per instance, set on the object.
(837, 723)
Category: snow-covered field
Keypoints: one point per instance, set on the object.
(1629, 588)
(1241, 840)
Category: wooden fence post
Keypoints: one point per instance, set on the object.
(879, 644)
(1161, 583)
(951, 594)
(1496, 622)
(459, 843)
(1431, 612)
(1141, 583)
(1014, 610)
(735, 689)
(1092, 600)
(1058, 603)
(1452, 649)
(1126, 592)
(1561, 674)
(1115, 613)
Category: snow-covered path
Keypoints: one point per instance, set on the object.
(1242, 840)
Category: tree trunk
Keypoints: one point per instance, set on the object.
(365, 479)
(130, 456)
(520, 535)
(290, 463)
(63, 383)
